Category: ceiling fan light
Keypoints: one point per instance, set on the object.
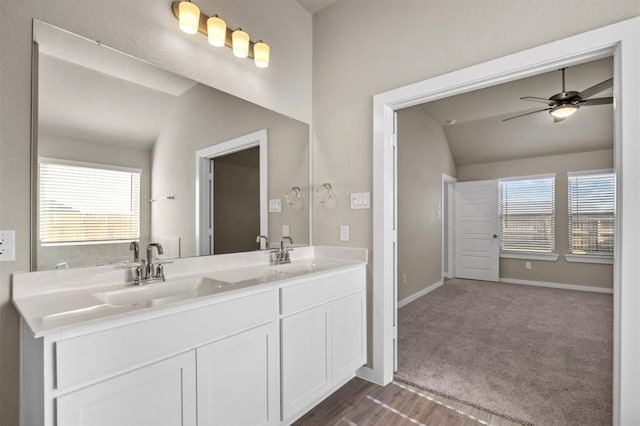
(564, 111)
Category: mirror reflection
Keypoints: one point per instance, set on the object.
(131, 152)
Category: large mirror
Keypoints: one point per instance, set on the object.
(127, 152)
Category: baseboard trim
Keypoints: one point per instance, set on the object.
(557, 285)
(419, 294)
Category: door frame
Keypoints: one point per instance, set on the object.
(622, 40)
(204, 187)
(448, 184)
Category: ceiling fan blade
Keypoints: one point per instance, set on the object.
(597, 101)
(526, 113)
(535, 99)
(593, 90)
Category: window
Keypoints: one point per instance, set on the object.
(527, 215)
(83, 204)
(591, 213)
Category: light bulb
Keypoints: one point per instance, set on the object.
(564, 111)
(261, 54)
(216, 31)
(240, 43)
(188, 17)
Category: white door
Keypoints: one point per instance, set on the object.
(238, 379)
(476, 243)
(306, 359)
(160, 394)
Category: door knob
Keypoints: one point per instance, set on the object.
(495, 236)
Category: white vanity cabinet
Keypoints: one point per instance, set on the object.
(261, 356)
(238, 379)
(162, 393)
(323, 339)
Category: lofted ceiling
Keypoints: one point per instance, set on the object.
(90, 92)
(479, 135)
(314, 6)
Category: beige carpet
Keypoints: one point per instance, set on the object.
(534, 355)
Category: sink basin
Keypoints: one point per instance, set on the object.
(162, 292)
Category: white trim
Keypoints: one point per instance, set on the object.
(447, 182)
(203, 157)
(586, 258)
(547, 257)
(530, 177)
(590, 172)
(557, 285)
(417, 295)
(623, 41)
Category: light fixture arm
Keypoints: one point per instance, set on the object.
(202, 28)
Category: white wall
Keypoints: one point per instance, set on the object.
(146, 29)
(365, 47)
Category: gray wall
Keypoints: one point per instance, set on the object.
(60, 147)
(413, 40)
(423, 155)
(236, 201)
(202, 117)
(148, 30)
(561, 271)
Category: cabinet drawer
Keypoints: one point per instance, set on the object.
(99, 355)
(300, 296)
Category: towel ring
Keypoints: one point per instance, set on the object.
(293, 195)
(325, 193)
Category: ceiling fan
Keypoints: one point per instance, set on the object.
(563, 104)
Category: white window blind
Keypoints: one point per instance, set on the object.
(592, 198)
(527, 214)
(82, 204)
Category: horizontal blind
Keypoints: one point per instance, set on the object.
(81, 204)
(591, 213)
(527, 215)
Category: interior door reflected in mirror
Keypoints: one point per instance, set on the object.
(114, 161)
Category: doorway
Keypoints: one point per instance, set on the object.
(620, 40)
(448, 217)
(231, 195)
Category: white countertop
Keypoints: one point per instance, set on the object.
(58, 302)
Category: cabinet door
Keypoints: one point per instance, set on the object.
(238, 379)
(349, 336)
(306, 359)
(162, 393)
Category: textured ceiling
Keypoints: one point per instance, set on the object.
(480, 135)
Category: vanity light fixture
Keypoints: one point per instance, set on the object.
(192, 21)
(240, 43)
(188, 17)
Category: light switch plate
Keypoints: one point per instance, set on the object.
(344, 232)
(360, 200)
(7, 246)
(275, 205)
(285, 230)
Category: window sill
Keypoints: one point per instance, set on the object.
(583, 258)
(547, 257)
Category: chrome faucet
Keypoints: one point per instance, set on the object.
(151, 269)
(135, 247)
(266, 241)
(146, 271)
(281, 255)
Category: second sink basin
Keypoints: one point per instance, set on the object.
(162, 292)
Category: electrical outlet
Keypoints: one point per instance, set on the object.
(527, 265)
(7, 246)
(285, 230)
(344, 232)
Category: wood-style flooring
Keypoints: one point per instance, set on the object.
(362, 403)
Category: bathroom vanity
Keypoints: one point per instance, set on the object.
(226, 340)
